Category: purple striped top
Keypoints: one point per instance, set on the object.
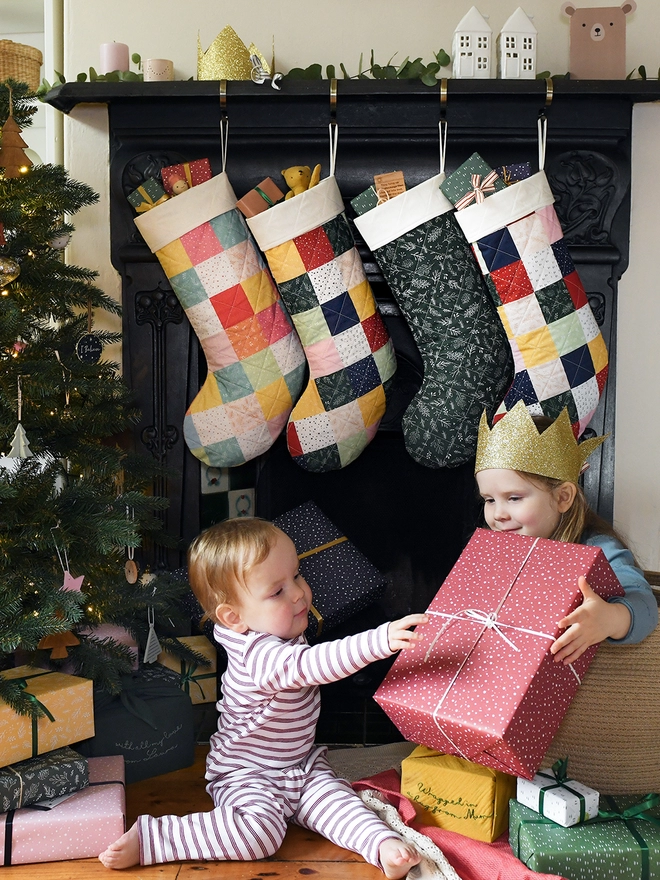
(271, 698)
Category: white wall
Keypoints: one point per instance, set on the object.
(337, 32)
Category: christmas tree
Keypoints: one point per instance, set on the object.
(73, 503)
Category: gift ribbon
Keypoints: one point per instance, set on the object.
(479, 189)
(628, 815)
(319, 619)
(188, 675)
(22, 683)
(322, 547)
(488, 621)
(560, 775)
(265, 197)
(319, 549)
(149, 203)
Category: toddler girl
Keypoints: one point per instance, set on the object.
(263, 767)
(527, 470)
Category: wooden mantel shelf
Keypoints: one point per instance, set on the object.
(66, 96)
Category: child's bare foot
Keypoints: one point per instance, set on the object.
(397, 858)
(125, 852)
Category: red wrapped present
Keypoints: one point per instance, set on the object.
(177, 178)
(482, 683)
(80, 827)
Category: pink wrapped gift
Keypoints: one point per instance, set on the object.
(186, 174)
(482, 683)
(80, 827)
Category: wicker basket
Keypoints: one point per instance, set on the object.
(611, 732)
(20, 62)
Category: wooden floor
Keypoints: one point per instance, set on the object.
(303, 853)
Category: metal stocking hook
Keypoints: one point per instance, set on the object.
(442, 124)
(542, 124)
(333, 127)
(224, 123)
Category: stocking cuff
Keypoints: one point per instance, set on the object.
(186, 212)
(505, 207)
(297, 215)
(394, 218)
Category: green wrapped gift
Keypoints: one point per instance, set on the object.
(471, 183)
(622, 842)
(365, 201)
(147, 196)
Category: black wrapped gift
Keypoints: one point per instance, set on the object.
(52, 775)
(150, 723)
(342, 579)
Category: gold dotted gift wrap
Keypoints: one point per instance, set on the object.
(69, 700)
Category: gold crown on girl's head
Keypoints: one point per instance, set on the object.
(514, 443)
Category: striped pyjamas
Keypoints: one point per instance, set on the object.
(263, 768)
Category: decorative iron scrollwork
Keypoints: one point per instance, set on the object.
(157, 307)
(588, 190)
(598, 305)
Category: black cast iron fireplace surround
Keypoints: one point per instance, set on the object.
(411, 521)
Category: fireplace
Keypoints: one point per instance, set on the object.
(411, 521)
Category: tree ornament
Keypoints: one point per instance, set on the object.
(59, 642)
(20, 445)
(3, 240)
(9, 270)
(89, 347)
(70, 584)
(12, 147)
(131, 569)
(59, 242)
(152, 649)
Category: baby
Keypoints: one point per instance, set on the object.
(263, 767)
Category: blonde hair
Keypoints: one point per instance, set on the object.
(578, 519)
(222, 555)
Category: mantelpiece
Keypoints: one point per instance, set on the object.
(410, 520)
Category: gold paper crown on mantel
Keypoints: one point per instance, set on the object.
(514, 443)
(228, 58)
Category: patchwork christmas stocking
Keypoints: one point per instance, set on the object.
(256, 365)
(311, 253)
(438, 286)
(559, 354)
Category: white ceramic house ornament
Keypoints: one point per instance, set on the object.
(472, 47)
(516, 46)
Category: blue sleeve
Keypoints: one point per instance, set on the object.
(639, 598)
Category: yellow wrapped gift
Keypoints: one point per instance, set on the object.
(69, 706)
(199, 682)
(458, 795)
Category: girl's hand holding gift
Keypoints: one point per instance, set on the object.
(399, 635)
(592, 622)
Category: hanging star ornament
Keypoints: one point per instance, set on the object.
(72, 584)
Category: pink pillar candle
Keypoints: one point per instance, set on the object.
(114, 56)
